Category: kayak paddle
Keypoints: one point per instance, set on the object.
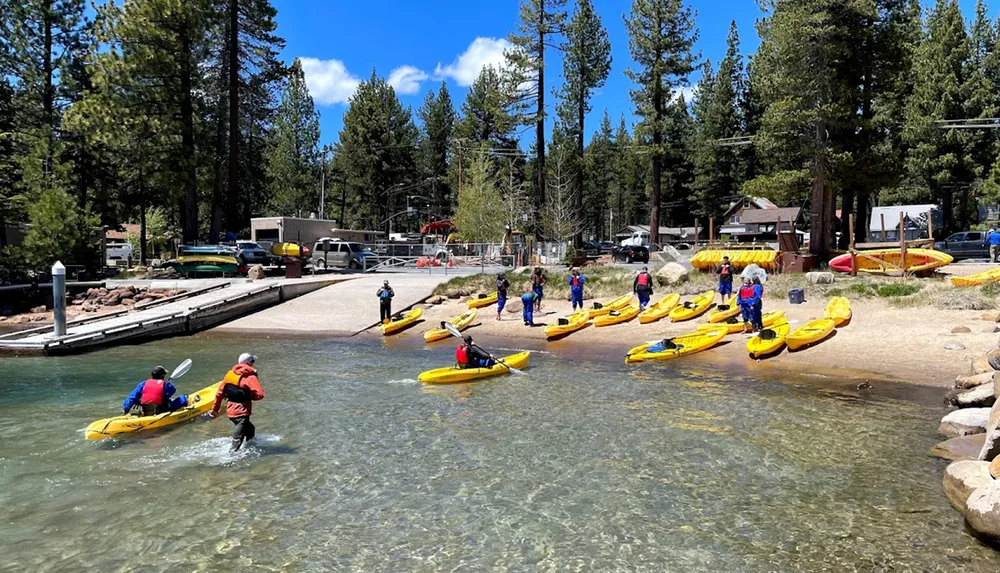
(181, 369)
(455, 332)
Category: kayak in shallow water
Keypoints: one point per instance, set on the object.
(461, 322)
(198, 403)
(405, 320)
(675, 347)
(454, 374)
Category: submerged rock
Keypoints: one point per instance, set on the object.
(981, 396)
(973, 380)
(965, 422)
(982, 511)
(962, 478)
(960, 448)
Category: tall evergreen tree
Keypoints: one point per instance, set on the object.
(293, 150)
(631, 169)
(540, 21)
(599, 164)
(11, 199)
(661, 37)
(437, 117)
(485, 116)
(678, 195)
(586, 64)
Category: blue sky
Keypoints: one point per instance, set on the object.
(417, 44)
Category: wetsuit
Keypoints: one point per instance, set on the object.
(502, 286)
(385, 295)
(575, 283)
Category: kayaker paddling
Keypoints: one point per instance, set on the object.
(152, 396)
(468, 355)
(240, 388)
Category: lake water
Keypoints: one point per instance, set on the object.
(578, 466)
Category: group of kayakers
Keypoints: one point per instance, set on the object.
(749, 297)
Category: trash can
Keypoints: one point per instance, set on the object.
(293, 268)
(796, 296)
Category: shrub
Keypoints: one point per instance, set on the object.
(897, 289)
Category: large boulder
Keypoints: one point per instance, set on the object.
(965, 422)
(991, 446)
(514, 306)
(993, 358)
(981, 365)
(819, 278)
(256, 272)
(982, 511)
(438, 299)
(671, 274)
(973, 380)
(995, 468)
(960, 448)
(978, 397)
(962, 478)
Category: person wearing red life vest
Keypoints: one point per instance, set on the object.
(575, 282)
(747, 298)
(642, 286)
(468, 355)
(240, 388)
(152, 396)
(725, 279)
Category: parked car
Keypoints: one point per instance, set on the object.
(329, 252)
(117, 254)
(965, 245)
(631, 254)
(249, 254)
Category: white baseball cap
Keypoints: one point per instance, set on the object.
(247, 358)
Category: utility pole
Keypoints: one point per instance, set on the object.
(322, 187)
(459, 169)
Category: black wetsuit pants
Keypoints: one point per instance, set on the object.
(244, 430)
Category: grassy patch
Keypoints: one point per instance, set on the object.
(897, 289)
(962, 299)
(990, 289)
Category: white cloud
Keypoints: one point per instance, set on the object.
(328, 81)
(406, 79)
(686, 91)
(466, 67)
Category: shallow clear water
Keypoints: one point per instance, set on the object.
(580, 465)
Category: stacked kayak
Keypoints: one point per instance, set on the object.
(460, 322)
(618, 316)
(659, 310)
(289, 250)
(616, 304)
(568, 325)
(453, 374)
(483, 300)
(405, 321)
(810, 333)
(198, 403)
(883, 261)
(675, 347)
(977, 279)
(206, 264)
(838, 310)
(693, 308)
(724, 312)
(735, 326)
(770, 340)
(711, 259)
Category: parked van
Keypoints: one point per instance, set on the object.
(118, 253)
(329, 252)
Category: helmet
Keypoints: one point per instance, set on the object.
(159, 373)
(467, 338)
(247, 358)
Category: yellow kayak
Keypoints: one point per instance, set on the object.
(407, 320)
(616, 304)
(573, 322)
(662, 308)
(735, 326)
(453, 374)
(288, 250)
(724, 312)
(770, 340)
(461, 322)
(677, 346)
(809, 333)
(483, 300)
(976, 279)
(199, 403)
(694, 307)
(839, 310)
(618, 316)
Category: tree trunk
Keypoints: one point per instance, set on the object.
(861, 218)
(540, 125)
(219, 164)
(142, 220)
(578, 199)
(189, 218)
(947, 208)
(48, 96)
(846, 210)
(233, 222)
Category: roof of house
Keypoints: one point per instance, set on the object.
(757, 216)
(627, 231)
(758, 202)
(891, 214)
(127, 229)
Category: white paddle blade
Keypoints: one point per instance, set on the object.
(181, 369)
(452, 330)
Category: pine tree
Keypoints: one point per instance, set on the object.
(661, 37)
(586, 64)
(540, 21)
(631, 175)
(376, 154)
(438, 125)
(485, 116)
(293, 150)
(476, 214)
(12, 202)
(678, 172)
(599, 181)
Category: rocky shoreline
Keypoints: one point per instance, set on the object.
(94, 301)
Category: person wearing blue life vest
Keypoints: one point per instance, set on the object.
(528, 300)
(152, 396)
(757, 320)
(385, 295)
(502, 285)
(993, 240)
(575, 282)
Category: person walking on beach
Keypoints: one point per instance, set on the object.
(993, 240)
(385, 295)
(240, 388)
(528, 300)
(575, 282)
(725, 280)
(537, 285)
(642, 286)
(502, 285)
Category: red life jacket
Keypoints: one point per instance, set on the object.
(576, 281)
(746, 292)
(643, 279)
(462, 354)
(726, 270)
(152, 392)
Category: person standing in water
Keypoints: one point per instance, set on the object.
(575, 282)
(241, 389)
(725, 279)
(537, 285)
(642, 286)
(502, 285)
(385, 295)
